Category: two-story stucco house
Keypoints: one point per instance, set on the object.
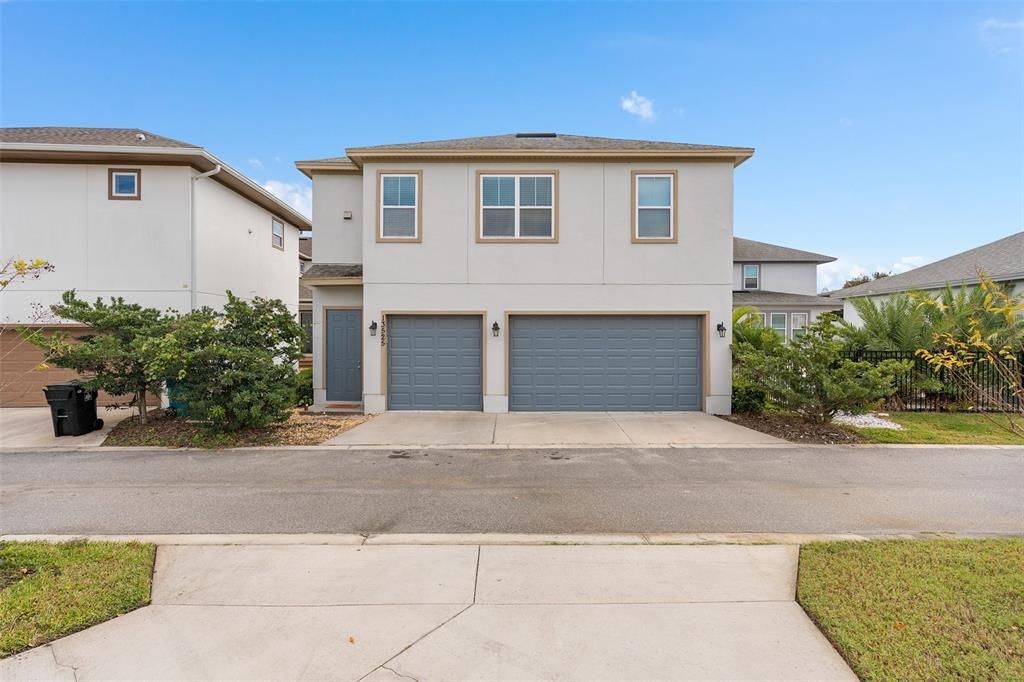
(125, 212)
(532, 271)
(781, 283)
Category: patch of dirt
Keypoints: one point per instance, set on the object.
(795, 429)
(166, 430)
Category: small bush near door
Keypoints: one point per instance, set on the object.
(747, 398)
(304, 388)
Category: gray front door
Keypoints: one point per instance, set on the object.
(434, 362)
(344, 355)
(605, 362)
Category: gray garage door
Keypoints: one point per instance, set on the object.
(643, 362)
(434, 362)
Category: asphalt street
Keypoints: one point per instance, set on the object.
(800, 489)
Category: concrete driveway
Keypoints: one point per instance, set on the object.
(31, 427)
(548, 429)
(400, 612)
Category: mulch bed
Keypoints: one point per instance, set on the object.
(165, 430)
(795, 429)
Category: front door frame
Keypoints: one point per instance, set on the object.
(323, 345)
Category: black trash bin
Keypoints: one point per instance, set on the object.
(72, 409)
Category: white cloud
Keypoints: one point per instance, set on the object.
(1001, 36)
(638, 105)
(256, 163)
(299, 197)
(832, 275)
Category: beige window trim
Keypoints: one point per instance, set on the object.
(111, 172)
(481, 239)
(419, 207)
(673, 223)
(273, 236)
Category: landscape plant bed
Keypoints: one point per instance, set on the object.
(919, 609)
(163, 430)
(48, 590)
(795, 429)
(944, 428)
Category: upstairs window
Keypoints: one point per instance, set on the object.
(751, 276)
(124, 183)
(277, 233)
(399, 217)
(517, 207)
(654, 211)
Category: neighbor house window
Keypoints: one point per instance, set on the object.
(779, 324)
(277, 233)
(751, 276)
(306, 320)
(797, 323)
(399, 217)
(654, 211)
(517, 207)
(124, 183)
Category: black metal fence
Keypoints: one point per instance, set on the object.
(924, 389)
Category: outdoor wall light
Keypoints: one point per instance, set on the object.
(495, 329)
(373, 328)
(721, 329)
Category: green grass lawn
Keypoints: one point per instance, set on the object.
(51, 590)
(920, 609)
(943, 427)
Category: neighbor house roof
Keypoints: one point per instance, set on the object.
(330, 273)
(528, 145)
(767, 298)
(135, 146)
(748, 250)
(1001, 260)
(305, 248)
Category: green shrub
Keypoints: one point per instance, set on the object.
(747, 398)
(304, 388)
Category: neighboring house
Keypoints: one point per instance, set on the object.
(306, 300)
(533, 271)
(1001, 261)
(124, 212)
(781, 282)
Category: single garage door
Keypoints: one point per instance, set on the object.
(605, 362)
(434, 362)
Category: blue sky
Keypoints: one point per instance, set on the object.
(886, 134)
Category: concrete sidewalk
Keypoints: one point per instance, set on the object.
(549, 429)
(390, 612)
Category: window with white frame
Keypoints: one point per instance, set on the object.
(277, 233)
(517, 207)
(778, 321)
(124, 183)
(751, 276)
(654, 212)
(797, 324)
(399, 206)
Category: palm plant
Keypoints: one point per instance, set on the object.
(900, 322)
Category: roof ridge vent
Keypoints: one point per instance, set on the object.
(536, 135)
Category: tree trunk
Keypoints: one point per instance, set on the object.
(140, 402)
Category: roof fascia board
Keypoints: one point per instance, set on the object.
(930, 286)
(361, 155)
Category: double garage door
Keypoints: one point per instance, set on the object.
(556, 362)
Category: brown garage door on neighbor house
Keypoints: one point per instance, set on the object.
(21, 384)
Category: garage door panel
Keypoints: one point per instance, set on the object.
(434, 362)
(605, 363)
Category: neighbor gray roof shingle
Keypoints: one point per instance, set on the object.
(1000, 260)
(546, 142)
(763, 298)
(319, 270)
(114, 137)
(748, 250)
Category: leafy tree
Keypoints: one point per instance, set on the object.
(236, 368)
(113, 354)
(810, 377)
(864, 279)
(13, 270)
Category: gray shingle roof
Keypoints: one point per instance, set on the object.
(764, 298)
(1000, 260)
(306, 246)
(748, 250)
(320, 270)
(119, 137)
(546, 141)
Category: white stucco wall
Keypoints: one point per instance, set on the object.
(338, 240)
(789, 278)
(61, 213)
(593, 268)
(234, 249)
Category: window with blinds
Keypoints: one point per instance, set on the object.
(399, 206)
(517, 207)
